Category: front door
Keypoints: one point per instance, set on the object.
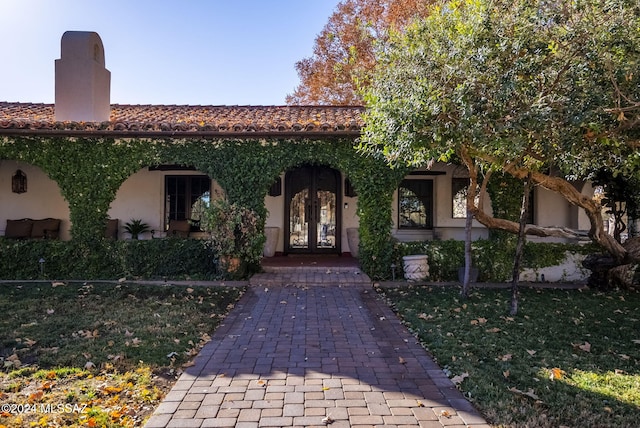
(311, 208)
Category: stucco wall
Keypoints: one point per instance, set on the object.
(43, 197)
(444, 225)
(141, 196)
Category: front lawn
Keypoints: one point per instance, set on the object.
(103, 355)
(569, 358)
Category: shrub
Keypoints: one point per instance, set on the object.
(493, 258)
(102, 259)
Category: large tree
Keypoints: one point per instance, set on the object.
(536, 88)
(344, 53)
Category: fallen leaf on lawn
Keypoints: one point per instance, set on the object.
(57, 284)
(35, 397)
(506, 357)
(111, 390)
(424, 316)
(47, 386)
(506, 373)
(50, 311)
(529, 393)
(531, 352)
(474, 322)
(127, 333)
(189, 364)
(482, 320)
(29, 342)
(89, 365)
(586, 347)
(121, 280)
(493, 330)
(88, 334)
(556, 373)
(460, 378)
(172, 354)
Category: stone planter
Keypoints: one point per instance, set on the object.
(353, 238)
(272, 234)
(416, 267)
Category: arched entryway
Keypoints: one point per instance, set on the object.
(312, 214)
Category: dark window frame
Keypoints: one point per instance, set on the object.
(179, 202)
(422, 190)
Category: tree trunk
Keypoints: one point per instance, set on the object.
(467, 254)
(592, 209)
(524, 212)
(471, 196)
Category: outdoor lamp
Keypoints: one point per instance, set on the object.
(19, 182)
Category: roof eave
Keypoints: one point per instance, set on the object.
(214, 135)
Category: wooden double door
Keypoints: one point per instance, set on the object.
(312, 202)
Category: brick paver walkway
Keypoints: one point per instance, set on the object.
(309, 356)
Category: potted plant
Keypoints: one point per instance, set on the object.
(135, 227)
(235, 235)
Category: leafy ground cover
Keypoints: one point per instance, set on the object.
(570, 358)
(98, 355)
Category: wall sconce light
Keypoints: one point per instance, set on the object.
(19, 182)
(346, 205)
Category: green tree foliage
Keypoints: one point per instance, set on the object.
(525, 87)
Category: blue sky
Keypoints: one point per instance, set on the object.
(215, 52)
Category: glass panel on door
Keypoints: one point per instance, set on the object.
(313, 222)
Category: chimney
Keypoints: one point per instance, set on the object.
(83, 83)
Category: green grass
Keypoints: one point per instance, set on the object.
(569, 358)
(114, 347)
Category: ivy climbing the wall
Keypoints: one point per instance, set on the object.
(89, 172)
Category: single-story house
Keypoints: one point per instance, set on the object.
(84, 158)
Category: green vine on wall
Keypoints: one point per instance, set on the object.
(89, 172)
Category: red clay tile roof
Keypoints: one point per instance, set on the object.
(174, 120)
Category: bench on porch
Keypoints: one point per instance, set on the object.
(26, 228)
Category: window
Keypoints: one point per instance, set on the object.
(459, 189)
(415, 204)
(186, 196)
